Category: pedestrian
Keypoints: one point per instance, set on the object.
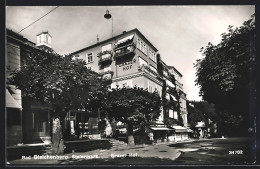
(198, 135)
(151, 136)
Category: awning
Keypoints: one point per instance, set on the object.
(179, 129)
(189, 130)
(11, 102)
(160, 128)
(125, 39)
(173, 98)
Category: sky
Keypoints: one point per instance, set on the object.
(178, 32)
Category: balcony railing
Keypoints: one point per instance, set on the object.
(105, 58)
(145, 68)
(127, 50)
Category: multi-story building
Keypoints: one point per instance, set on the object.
(183, 99)
(133, 60)
(27, 120)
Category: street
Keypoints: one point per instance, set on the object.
(198, 152)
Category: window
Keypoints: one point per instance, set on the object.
(151, 54)
(157, 88)
(150, 88)
(89, 58)
(171, 113)
(175, 115)
(106, 47)
(142, 61)
(139, 44)
(145, 49)
(142, 46)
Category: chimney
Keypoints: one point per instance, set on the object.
(97, 39)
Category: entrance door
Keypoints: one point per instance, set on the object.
(40, 122)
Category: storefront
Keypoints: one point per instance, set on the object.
(180, 134)
(160, 134)
(82, 125)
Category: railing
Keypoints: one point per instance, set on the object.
(127, 50)
(145, 68)
(105, 58)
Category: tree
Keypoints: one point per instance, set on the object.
(226, 74)
(133, 106)
(62, 81)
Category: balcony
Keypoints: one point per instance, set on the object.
(107, 74)
(125, 51)
(145, 68)
(105, 57)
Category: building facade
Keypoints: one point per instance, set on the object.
(132, 59)
(27, 120)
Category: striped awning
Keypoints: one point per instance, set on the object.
(173, 98)
(160, 128)
(10, 101)
(179, 129)
(125, 39)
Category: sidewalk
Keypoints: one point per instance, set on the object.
(160, 150)
(156, 150)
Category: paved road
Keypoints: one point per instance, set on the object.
(216, 151)
(198, 152)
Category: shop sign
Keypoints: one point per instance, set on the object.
(127, 65)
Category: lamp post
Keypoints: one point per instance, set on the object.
(108, 16)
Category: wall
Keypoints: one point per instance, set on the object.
(14, 116)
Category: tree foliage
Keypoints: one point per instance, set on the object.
(133, 106)
(201, 111)
(226, 74)
(63, 81)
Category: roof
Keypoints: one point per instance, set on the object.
(19, 38)
(44, 32)
(113, 38)
(11, 102)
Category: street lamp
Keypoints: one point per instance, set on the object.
(108, 16)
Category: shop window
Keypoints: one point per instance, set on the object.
(13, 117)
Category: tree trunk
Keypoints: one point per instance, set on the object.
(57, 138)
(131, 140)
